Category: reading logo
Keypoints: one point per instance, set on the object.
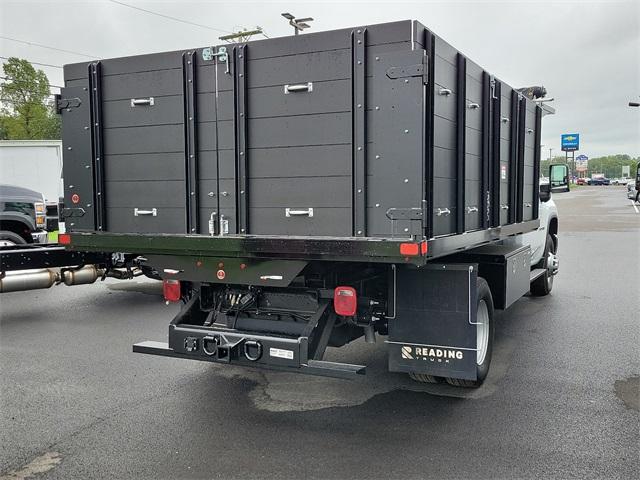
(430, 353)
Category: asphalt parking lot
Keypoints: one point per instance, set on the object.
(561, 400)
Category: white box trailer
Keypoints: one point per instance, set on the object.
(33, 164)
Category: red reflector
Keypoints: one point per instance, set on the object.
(424, 248)
(345, 301)
(64, 239)
(409, 249)
(171, 290)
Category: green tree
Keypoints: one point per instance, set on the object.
(26, 107)
(611, 165)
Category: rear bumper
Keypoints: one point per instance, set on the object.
(310, 367)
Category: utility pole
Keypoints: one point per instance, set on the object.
(242, 36)
(297, 23)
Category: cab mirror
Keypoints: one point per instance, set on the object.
(545, 192)
(559, 178)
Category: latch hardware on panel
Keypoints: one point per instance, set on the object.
(493, 89)
(66, 103)
(417, 70)
(72, 212)
(415, 217)
(208, 54)
(404, 214)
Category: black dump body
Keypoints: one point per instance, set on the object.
(361, 135)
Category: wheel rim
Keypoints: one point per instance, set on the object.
(551, 265)
(482, 332)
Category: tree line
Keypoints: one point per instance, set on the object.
(609, 165)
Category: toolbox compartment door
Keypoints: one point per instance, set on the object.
(143, 147)
(299, 142)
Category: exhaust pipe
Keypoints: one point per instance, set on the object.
(28, 280)
(46, 278)
(83, 276)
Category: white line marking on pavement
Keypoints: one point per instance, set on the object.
(634, 206)
(40, 464)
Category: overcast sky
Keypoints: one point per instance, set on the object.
(587, 54)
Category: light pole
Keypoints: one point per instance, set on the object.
(297, 23)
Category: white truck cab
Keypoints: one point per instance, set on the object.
(544, 240)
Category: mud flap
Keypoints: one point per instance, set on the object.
(434, 329)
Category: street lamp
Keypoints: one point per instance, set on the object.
(297, 23)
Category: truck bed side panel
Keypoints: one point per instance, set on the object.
(371, 131)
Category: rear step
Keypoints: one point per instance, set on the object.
(536, 273)
(222, 343)
(312, 367)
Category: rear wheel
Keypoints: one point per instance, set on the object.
(8, 238)
(484, 341)
(542, 285)
(484, 336)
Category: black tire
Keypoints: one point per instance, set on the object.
(424, 378)
(12, 237)
(638, 197)
(543, 285)
(484, 295)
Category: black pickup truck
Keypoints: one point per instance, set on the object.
(22, 216)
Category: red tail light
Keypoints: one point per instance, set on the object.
(413, 249)
(64, 239)
(409, 249)
(171, 290)
(345, 301)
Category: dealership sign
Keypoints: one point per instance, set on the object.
(582, 163)
(570, 142)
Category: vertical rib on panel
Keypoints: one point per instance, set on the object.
(461, 88)
(495, 153)
(359, 131)
(513, 159)
(190, 139)
(95, 100)
(242, 152)
(536, 162)
(430, 47)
